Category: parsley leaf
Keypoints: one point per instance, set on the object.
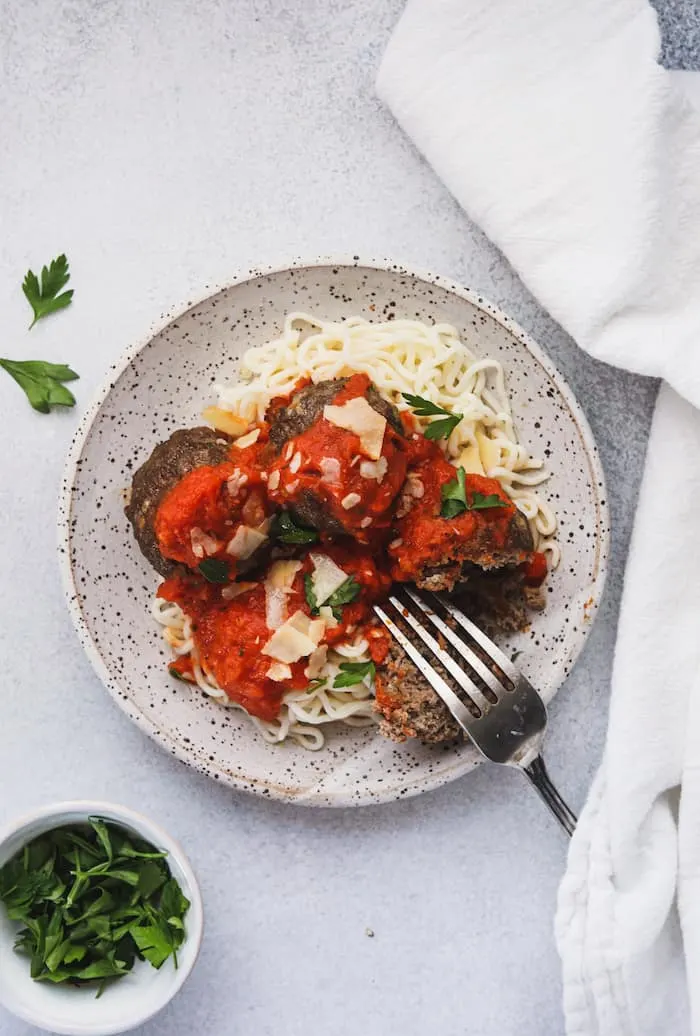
(455, 502)
(482, 503)
(310, 594)
(286, 530)
(424, 408)
(346, 593)
(354, 672)
(41, 382)
(43, 296)
(454, 496)
(214, 570)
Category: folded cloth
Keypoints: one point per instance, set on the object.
(557, 131)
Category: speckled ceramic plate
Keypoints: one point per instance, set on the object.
(163, 383)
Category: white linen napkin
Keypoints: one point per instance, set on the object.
(557, 131)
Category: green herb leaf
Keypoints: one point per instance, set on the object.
(41, 382)
(310, 594)
(151, 877)
(154, 942)
(286, 530)
(345, 594)
(424, 408)
(354, 672)
(479, 502)
(43, 295)
(454, 496)
(214, 570)
(173, 903)
(100, 829)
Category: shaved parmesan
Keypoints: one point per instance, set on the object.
(326, 613)
(359, 417)
(350, 501)
(277, 585)
(278, 671)
(245, 542)
(275, 607)
(224, 421)
(202, 543)
(374, 468)
(236, 589)
(247, 440)
(236, 481)
(327, 577)
(282, 573)
(297, 638)
(274, 480)
(295, 463)
(330, 469)
(316, 662)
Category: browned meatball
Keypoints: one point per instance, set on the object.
(170, 461)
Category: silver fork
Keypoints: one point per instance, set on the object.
(503, 715)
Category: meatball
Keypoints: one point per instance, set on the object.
(169, 462)
(408, 705)
(436, 550)
(328, 469)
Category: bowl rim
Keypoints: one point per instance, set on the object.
(479, 300)
(153, 833)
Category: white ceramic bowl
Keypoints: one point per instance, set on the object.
(164, 383)
(133, 999)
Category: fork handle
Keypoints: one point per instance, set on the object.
(536, 772)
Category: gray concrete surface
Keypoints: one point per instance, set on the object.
(162, 146)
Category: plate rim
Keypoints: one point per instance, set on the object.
(270, 790)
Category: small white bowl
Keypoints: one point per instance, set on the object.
(133, 999)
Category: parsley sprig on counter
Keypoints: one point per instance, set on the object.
(43, 382)
(42, 295)
(92, 900)
(454, 498)
(441, 429)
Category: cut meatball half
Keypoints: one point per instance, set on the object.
(340, 457)
(436, 547)
(408, 705)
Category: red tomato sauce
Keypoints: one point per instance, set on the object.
(230, 635)
(425, 537)
(213, 500)
(300, 469)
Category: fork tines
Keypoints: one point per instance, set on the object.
(480, 672)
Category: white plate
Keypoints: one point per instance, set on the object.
(164, 383)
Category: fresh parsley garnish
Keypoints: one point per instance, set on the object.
(454, 498)
(441, 429)
(286, 530)
(214, 570)
(42, 382)
(479, 502)
(92, 900)
(310, 593)
(43, 295)
(346, 593)
(354, 672)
